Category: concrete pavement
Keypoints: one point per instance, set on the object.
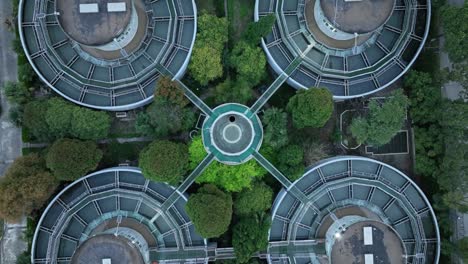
(12, 243)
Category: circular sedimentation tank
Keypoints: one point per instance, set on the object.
(351, 47)
(103, 56)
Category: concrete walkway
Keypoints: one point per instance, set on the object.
(10, 136)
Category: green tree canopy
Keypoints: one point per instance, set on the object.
(250, 235)
(249, 62)
(429, 149)
(164, 161)
(67, 120)
(70, 159)
(17, 93)
(88, 124)
(170, 91)
(33, 120)
(25, 187)
(453, 174)
(230, 178)
(257, 30)
(213, 30)
(383, 120)
(462, 248)
(58, 117)
(424, 96)
(210, 210)
(205, 64)
(233, 91)
(455, 31)
(163, 118)
(290, 161)
(311, 108)
(275, 132)
(257, 199)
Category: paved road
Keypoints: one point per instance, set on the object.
(10, 136)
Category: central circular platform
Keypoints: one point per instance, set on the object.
(357, 16)
(232, 133)
(119, 249)
(93, 29)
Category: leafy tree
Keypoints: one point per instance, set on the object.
(453, 176)
(275, 132)
(33, 120)
(69, 159)
(213, 30)
(455, 32)
(205, 64)
(311, 108)
(58, 117)
(462, 248)
(424, 96)
(25, 187)
(163, 118)
(291, 161)
(428, 148)
(249, 236)
(88, 124)
(238, 91)
(230, 178)
(15, 115)
(164, 161)
(257, 199)
(16, 93)
(171, 91)
(257, 30)
(458, 73)
(382, 122)
(210, 210)
(249, 62)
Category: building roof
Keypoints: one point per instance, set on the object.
(162, 34)
(346, 69)
(360, 187)
(117, 198)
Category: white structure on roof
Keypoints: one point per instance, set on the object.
(368, 235)
(89, 8)
(116, 7)
(369, 259)
(106, 261)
